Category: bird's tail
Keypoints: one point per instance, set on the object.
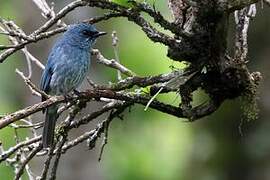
(49, 126)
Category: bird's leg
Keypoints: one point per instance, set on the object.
(76, 92)
(81, 103)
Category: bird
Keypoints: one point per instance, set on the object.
(67, 65)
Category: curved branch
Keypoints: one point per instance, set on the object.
(133, 14)
(88, 95)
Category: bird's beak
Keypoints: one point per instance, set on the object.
(100, 34)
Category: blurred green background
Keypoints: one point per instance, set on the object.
(147, 145)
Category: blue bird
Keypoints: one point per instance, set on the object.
(66, 68)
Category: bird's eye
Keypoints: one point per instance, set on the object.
(86, 33)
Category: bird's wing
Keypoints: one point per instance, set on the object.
(45, 80)
(49, 69)
(48, 73)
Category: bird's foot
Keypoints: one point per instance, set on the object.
(76, 92)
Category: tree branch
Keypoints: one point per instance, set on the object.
(239, 4)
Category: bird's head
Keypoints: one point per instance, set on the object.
(82, 35)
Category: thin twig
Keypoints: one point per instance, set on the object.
(32, 87)
(111, 63)
(24, 163)
(6, 154)
(115, 50)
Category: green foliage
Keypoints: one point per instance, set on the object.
(144, 146)
(122, 2)
(6, 172)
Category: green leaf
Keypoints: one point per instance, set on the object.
(122, 2)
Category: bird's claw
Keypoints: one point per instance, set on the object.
(76, 92)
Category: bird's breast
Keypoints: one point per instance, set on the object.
(70, 70)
